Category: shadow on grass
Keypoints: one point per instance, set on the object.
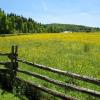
(20, 89)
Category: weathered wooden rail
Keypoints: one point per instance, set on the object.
(65, 73)
(12, 66)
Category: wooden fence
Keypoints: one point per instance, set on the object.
(13, 69)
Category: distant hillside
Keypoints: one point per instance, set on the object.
(70, 27)
(12, 23)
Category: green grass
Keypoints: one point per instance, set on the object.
(79, 57)
(7, 96)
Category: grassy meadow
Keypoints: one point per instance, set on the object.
(74, 52)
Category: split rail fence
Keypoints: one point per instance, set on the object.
(13, 68)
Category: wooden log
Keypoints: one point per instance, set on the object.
(3, 71)
(4, 54)
(15, 59)
(13, 65)
(9, 65)
(65, 73)
(2, 63)
(47, 90)
(62, 84)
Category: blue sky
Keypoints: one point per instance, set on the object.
(84, 12)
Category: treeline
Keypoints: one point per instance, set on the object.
(70, 28)
(12, 23)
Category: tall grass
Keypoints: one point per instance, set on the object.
(78, 53)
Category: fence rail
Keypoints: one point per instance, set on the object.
(55, 93)
(13, 67)
(65, 73)
(2, 63)
(61, 84)
(4, 54)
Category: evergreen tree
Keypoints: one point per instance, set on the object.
(12, 23)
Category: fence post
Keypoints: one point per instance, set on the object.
(13, 66)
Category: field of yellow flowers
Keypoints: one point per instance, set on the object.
(74, 52)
